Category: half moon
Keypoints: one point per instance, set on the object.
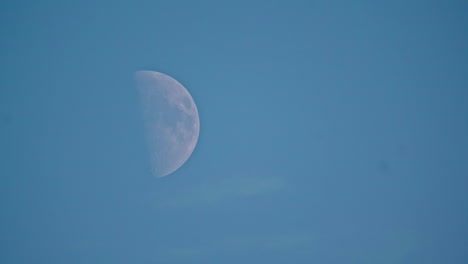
(170, 118)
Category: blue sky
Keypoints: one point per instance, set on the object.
(331, 132)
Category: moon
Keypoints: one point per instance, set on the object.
(171, 121)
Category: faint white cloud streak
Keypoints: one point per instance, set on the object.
(226, 189)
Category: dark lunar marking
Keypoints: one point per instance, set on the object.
(171, 117)
(187, 103)
(189, 122)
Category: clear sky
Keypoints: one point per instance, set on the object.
(331, 132)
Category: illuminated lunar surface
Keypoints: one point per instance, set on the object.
(171, 121)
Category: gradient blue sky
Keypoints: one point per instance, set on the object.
(331, 132)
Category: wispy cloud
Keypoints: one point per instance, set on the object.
(297, 242)
(275, 241)
(225, 189)
(304, 243)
